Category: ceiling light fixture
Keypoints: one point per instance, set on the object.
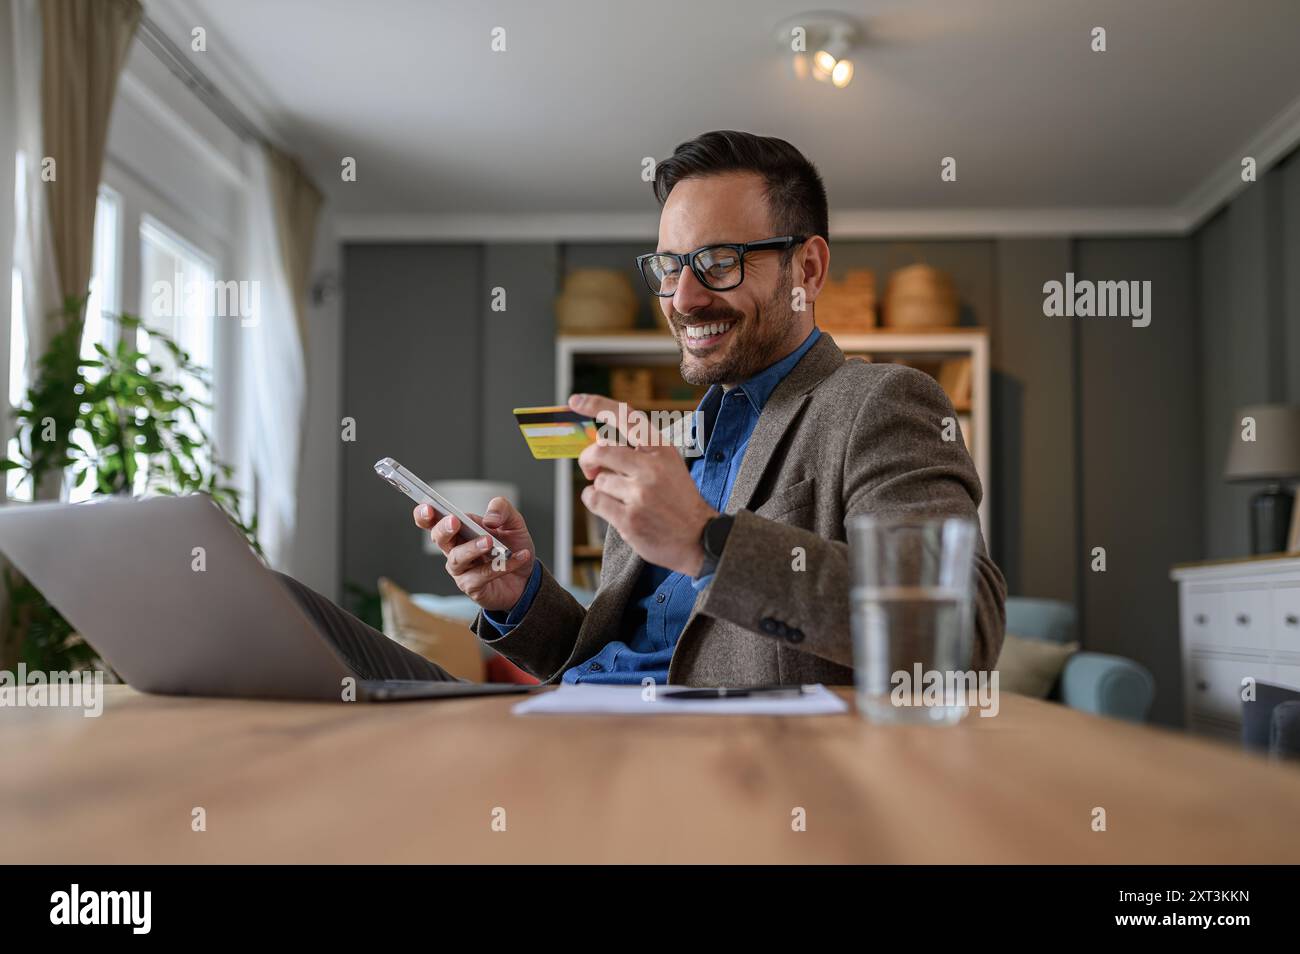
(821, 43)
(842, 73)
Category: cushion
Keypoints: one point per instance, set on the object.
(1030, 667)
(448, 642)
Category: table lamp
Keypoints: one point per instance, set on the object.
(1273, 457)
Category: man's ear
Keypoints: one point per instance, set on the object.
(813, 262)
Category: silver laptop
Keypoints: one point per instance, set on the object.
(174, 619)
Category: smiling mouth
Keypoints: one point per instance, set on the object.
(708, 335)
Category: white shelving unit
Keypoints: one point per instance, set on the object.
(658, 347)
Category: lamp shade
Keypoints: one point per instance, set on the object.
(472, 496)
(1274, 454)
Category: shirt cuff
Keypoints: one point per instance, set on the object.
(516, 614)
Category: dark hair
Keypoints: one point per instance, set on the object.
(796, 197)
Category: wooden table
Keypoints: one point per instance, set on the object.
(421, 781)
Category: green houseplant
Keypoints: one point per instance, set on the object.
(126, 422)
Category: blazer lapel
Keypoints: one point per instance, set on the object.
(778, 413)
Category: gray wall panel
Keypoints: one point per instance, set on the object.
(1250, 294)
(1141, 457)
(1034, 480)
(1224, 530)
(412, 357)
(519, 370)
(1290, 267)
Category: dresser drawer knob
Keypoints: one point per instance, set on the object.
(1202, 685)
(1292, 619)
(1201, 619)
(1243, 619)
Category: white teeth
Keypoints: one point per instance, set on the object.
(707, 331)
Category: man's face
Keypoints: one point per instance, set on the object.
(728, 336)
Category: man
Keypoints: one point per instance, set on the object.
(731, 567)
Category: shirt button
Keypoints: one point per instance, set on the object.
(595, 667)
(660, 597)
(719, 457)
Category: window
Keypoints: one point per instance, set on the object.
(16, 485)
(104, 299)
(159, 218)
(176, 279)
(176, 282)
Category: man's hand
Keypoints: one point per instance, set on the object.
(645, 492)
(491, 582)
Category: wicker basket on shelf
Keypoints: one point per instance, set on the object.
(596, 300)
(848, 306)
(919, 296)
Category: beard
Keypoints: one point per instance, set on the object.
(755, 342)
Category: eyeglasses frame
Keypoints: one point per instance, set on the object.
(687, 259)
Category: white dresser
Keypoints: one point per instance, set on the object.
(1239, 619)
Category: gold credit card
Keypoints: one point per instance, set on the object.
(553, 433)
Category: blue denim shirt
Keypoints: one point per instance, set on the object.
(662, 600)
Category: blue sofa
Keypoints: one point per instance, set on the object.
(1091, 682)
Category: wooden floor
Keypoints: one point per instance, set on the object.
(425, 782)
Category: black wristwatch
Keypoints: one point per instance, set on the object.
(713, 539)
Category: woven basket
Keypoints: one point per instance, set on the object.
(848, 306)
(596, 300)
(919, 296)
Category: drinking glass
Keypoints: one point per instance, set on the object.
(911, 593)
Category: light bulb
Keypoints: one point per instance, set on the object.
(842, 74)
(800, 65)
(824, 60)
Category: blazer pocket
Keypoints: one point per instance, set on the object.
(787, 500)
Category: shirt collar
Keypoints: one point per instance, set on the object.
(760, 387)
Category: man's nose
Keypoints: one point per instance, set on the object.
(690, 295)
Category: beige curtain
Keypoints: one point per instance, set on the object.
(84, 45)
(297, 205)
(84, 48)
(282, 207)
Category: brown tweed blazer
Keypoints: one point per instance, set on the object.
(836, 438)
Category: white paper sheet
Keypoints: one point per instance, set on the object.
(633, 700)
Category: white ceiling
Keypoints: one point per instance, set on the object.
(560, 122)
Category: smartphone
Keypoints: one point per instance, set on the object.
(422, 493)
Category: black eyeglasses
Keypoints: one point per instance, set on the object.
(718, 267)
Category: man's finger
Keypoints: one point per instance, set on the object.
(502, 516)
(445, 532)
(477, 577)
(597, 457)
(610, 416)
(603, 505)
(425, 516)
(463, 556)
(614, 485)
